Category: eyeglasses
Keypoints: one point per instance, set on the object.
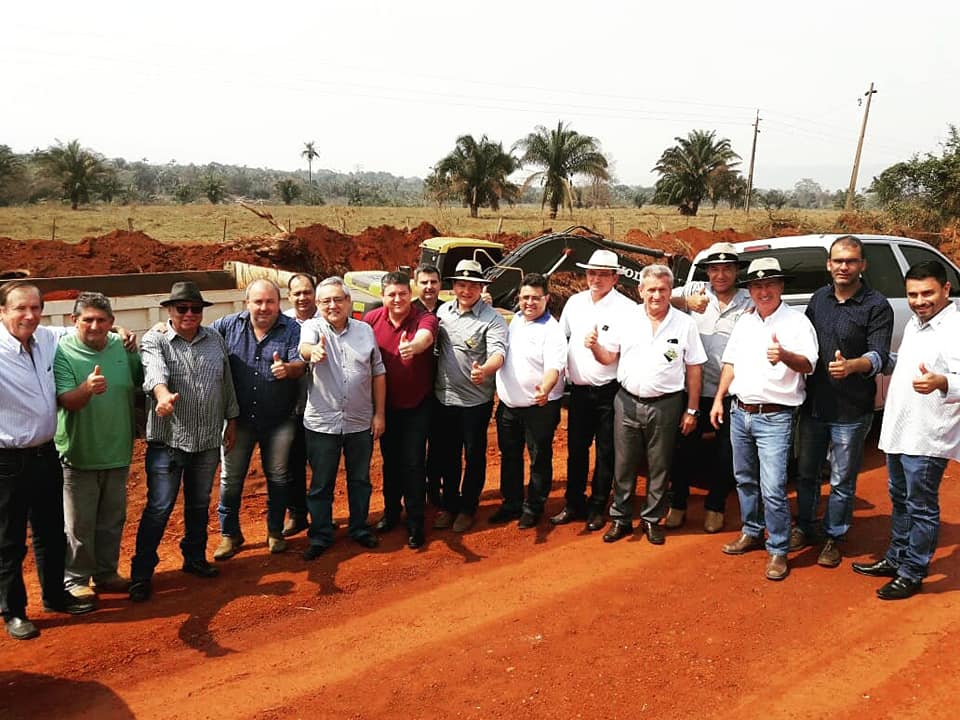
(532, 298)
(184, 309)
(332, 300)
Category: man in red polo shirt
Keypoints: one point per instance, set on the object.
(405, 335)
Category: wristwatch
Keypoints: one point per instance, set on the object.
(693, 411)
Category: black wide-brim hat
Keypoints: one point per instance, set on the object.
(185, 291)
(720, 254)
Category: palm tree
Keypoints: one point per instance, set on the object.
(562, 153)
(685, 169)
(310, 154)
(478, 172)
(77, 169)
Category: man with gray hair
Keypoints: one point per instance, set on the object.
(660, 357)
(345, 413)
(265, 362)
(96, 380)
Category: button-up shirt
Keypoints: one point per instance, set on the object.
(580, 315)
(28, 390)
(199, 370)
(464, 338)
(715, 325)
(409, 382)
(264, 400)
(533, 347)
(859, 327)
(654, 363)
(340, 394)
(917, 424)
(755, 380)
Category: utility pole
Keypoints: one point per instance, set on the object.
(852, 190)
(753, 154)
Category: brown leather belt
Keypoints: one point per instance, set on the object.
(761, 407)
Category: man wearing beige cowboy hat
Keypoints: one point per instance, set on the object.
(471, 347)
(190, 394)
(592, 321)
(715, 306)
(764, 364)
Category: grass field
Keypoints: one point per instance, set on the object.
(205, 223)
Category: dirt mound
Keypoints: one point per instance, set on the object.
(686, 242)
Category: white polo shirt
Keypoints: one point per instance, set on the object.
(532, 348)
(579, 317)
(755, 380)
(654, 363)
(917, 424)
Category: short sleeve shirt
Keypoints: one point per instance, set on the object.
(654, 363)
(611, 316)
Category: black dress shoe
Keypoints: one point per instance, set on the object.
(200, 568)
(295, 524)
(385, 524)
(502, 516)
(21, 628)
(618, 529)
(528, 520)
(595, 521)
(881, 568)
(313, 552)
(567, 515)
(140, 590)
(654, 532)
(416, 539)
(900, 588)
(71, 605)
(368, 540)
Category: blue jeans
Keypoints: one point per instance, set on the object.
(323, 452)
(166, 469)
(274, 453)
(915, 521)
(761, 450)
(845, 459)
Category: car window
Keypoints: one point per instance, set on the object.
(883, 272)
(806, 265)
(915, 254)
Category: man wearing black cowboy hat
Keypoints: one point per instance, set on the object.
(764, 364)
(190, 394)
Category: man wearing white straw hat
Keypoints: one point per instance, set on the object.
(592, 320)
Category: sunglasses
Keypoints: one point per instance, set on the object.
(184, 309)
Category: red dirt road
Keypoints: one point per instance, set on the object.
(499, 623)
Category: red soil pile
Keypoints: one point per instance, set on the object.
(686, 242)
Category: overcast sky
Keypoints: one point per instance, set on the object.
(390, 85)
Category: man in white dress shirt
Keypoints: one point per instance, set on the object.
(920, 431)
(764, 364)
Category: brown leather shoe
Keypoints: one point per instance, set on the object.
(798, 539)
(675, 518)
(830, 554)
(463, 522)
(777, 568)
(744, 543)
(443, 520)
(712, 521)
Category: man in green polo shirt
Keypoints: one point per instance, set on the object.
(96, 381)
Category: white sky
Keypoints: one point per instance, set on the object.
(390, 85)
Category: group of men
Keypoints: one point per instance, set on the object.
(420, 377)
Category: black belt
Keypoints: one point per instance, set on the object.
(655, 398)
(37, 451)
(758, 408)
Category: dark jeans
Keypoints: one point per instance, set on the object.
(167, 468)
(403, 447)
(915, 520)
(463, 447)
(323, 451)
(31, 488)
(534, 427)
(589, 421)
(434, 471)
(690, 455)
(297, 471)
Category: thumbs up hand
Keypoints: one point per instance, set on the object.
(319, 351)
(165, 406)
(278, 368)
(927, 381)
(476, 373)
(697, 302)
(96, 383)
(837, 368)
(774, 350)
(405, 347)
(590, 339)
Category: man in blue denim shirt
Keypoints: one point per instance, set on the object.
(854, 324)
(266, 365)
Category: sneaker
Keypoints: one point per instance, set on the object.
(463, 522)
(443, 520)
(798, 539)
(112, 583)
(275, 543)
(81, 592)
(830, 554)
(228, 547)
